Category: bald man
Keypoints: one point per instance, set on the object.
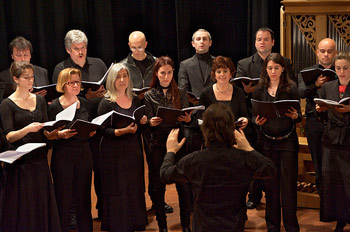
(326, 52)
(139, 62)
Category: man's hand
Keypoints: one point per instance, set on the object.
(97, 93)
(248, 88)
(242, 142)
(172, 144)
(320, 81)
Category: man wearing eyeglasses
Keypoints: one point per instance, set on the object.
(139, 62)
(21, 51)
(92, 69)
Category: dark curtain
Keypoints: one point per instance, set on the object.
(167, 24)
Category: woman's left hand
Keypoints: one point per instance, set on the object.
(143, 120)
(343, 108)
(243, 121)
(293, 113)
(185, 118)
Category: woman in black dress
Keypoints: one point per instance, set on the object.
(335, 178)
(278, 141)
(29, 202)
(164, 92)
(71, 163)
(124, 207)
(223, 91)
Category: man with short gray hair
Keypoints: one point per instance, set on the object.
(92, 69)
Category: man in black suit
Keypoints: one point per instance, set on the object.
(194, 72)
(252, 67)
(326, 52)
(21, 51)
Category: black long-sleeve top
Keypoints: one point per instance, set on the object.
(237, 103)
(221, 176)
(155, 98)
(337, 129)
(278, 127)
(309, 92)
(82, 113)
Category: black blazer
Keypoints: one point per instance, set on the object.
(252, 67)
(337, 128)
(190, 77)
(40, 79)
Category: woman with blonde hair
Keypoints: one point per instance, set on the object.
(71, 162)
(124, 207)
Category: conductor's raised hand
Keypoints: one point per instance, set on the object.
(185, 118)
(172, 144)
(241, 141)
(155, 121)
(260, 120)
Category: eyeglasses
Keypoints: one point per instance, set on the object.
(73, 83)
(27, 77)
(82, 49)
(140, 49)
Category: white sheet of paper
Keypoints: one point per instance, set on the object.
(11, 156)
(66, 114)
(100, 119)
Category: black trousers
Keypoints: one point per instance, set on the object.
(281, 190)
(71, 168)
(314, 131)
(157, 153)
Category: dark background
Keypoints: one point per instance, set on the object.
(167, 24)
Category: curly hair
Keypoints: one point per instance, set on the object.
(218, 125)
(222, 62)
(285, 82)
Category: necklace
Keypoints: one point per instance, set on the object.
(272, 91)
(222, 91)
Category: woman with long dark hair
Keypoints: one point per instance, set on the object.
(164, 92)
(278, 141)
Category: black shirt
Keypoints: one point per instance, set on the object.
(221, 176)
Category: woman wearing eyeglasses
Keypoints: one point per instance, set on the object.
(71, 162)
(28, 197)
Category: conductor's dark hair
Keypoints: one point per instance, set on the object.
(218, 125)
